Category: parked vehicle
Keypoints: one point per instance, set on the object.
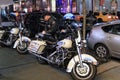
(8, 33)
(10, 29)
(65, 53)
(22, 41)
(104, 39)
(106, 17)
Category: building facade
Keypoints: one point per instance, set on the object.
(107, 5)
(73, 6)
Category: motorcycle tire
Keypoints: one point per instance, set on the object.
(88, 72)
(102, 52)
(22, 49)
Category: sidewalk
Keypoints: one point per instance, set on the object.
(109, 71)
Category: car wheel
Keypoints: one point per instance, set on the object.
(102, 52)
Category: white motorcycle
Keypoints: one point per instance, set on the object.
(66, 53)
(22, 41)
(8, 33)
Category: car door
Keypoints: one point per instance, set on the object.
(113, 39)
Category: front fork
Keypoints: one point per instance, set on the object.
(20, 36)
(78, 45)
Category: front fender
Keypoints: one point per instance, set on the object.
(24, 38)
(85, 58)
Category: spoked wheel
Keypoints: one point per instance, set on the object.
(102, 52)
(87, 72)
(22, 49)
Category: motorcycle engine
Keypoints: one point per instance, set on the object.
(60, 57)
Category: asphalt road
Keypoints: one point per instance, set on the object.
(14, 66)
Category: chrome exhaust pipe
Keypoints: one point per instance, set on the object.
(37, 55)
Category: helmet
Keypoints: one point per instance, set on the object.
(69, 16)
(76, 25)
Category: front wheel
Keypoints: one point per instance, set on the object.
(87, 72)
(22, 49)
(102, 52)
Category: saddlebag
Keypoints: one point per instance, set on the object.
(37, 46)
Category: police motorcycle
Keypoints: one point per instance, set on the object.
(8, 29)
(65, 53)
(8, 33)
(22, 41)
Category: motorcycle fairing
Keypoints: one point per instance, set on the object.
(65, 43)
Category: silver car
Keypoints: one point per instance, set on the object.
(105, 40)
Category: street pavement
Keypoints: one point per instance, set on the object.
(14, 66)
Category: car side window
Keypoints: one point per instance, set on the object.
(107, 29)
(116, 29)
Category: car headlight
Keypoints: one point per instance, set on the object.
(116, 17)
(109, 17)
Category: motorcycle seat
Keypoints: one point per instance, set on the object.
(48, 38)
(6, 24)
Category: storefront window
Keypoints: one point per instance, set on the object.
(46, 5)
(62, 6)
(74, 5)
(53, 5)
(38, 5)
(106, 5)
(65, 6)
(29, 5)
(114, 5)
